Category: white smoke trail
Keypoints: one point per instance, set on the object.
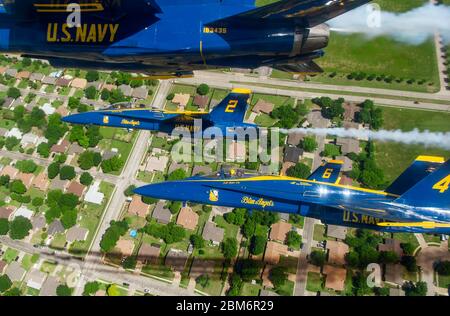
(413, 27)
(414, 137)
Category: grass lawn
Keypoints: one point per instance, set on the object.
(394, 158)
(249, 289)
(444, 281)
(145, 176)
(287, 289)
(349, 53)
(400, 5)
(90, 217)
(314, 282)
(108, 132)
(159, 270)
(50, 89)
(407, 238)
(230, 229)
(58, 242)
(319, 232)
(48, 267)
(10, 255)
(432, 238)
(27, 262)
(7, 124)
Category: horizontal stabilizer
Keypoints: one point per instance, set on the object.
(306, 13)
(419, 169)
(431, 191)
(328, 172)
(309, 67)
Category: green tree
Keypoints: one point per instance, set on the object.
(44, 150)
(175, 207)
(229, 248)
(293, 239)
(111, 165)
(92, 75)
(91, 93)
(235, 285)
(203, 89)
(248, 269)
(53, 170)
(408, 248)
(236, 217)
(418, 289)
(197, 241)
(331, 150)
(388, 257)
(112, 235)
(129, 263)
(360, 287)
(410, 263)
(257, 245)
(317, 258)
(37, 202)
(278, 276)
(309, 144)
(26, 166)
(300, 170)
(86, 179)
(203, 280)
(14, 291)
(129, 191)
(4, 180)
(4, 226)
(178, 174)
(13, 93)
(18, 187)
(67, 173)
(11, 142)
(286, 115)
(105, 95)
(63, 290)
(5, 283)
(69, 219)
(442, 267)
(19, 228)
(91, 288)
(117, 96)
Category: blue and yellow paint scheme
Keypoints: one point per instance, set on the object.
(419, 202)
(227, 115)
(171, 37)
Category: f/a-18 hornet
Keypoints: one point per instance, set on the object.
(170, 37)
(417, 202)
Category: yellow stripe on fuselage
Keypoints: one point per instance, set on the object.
(425, 225)
(84, 7)
(430, 159)
(286, 178)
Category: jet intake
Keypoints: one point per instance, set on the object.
(315, 38)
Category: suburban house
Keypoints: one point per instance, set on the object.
(176, 259)
(187, 218)
(335, 277)
(137, 207)
(274, 251)
(161, 214)
(279, 231)
(149, 254)
(336, 252)
(77, 233)
(213, 233)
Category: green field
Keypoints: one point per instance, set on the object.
(379, 56)
(314, 282)
(399, 5)
(394, 158)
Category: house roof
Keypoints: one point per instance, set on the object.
(108, 154)
(263, 107)
(96, 84)
(347, 165)
(335, 277)
(63, 82)
(76, 188)
(198, 169)
(187, 218)
(35, 279)
(317, 120)
(346, 180)
(176, 259)
(36, 76)
(175, 165)
(2, 70)
(49, 80)
(49, 287)
(292, 154)
(77, 233)
(273, 252)
(350, 109)
(109, 87)
(61, 147)
(125, 247)
(161, 214)
(24, 212)
(137, 207)
(393, 273)
(3, 265)
(337, 252)
(348, 145)
(74, 148)
(15, 272)
(279, 231)
(338, 232)
(9, 171)
(38, 222)
(181, 99)
(212, 232)
(93, 195)
(295, 138)
(149, 253)
(126, 90)
(79, 83)
(55, 227)
(41, 181)
(5, 212)
(26, 178)
(236, 150)
(23, 74)
(201, 101)
(391, 244)
(11, 72)
(140, 93)
(157, 163)
(58, 184)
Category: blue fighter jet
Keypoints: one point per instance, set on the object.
(170, 38)
(228, 116)
(417, 202)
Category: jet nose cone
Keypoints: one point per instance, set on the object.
(75, 119)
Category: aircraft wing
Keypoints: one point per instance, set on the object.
(306, 13)
(308, 67)
(328, 172)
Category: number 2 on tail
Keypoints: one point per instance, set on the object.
(442, 185)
